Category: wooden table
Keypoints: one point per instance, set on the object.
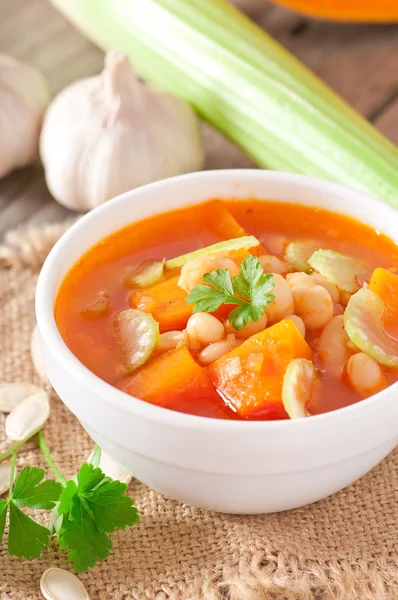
(360, 62)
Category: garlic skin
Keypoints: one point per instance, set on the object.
(24, 96)
(107, 134)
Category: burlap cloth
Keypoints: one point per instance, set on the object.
(342, 548)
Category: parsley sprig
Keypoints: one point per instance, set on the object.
(85, 510)
(26, 537)
(250, 291)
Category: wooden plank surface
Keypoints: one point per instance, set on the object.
(359, 62)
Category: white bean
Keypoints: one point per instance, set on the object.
(192, 272)
(312, 302)
(330, 287)
(218, 349)
(205, 328)
(273, 264)
(276, 244)
(338, 309)
(249, 330)
(298, 322)
(283, 304)
(171, 339)
(364, 374)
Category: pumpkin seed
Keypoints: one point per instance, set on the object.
(112, 469)
(28, 416)
(37, 357)
(57, 584)
(5, 474)
(12, 394)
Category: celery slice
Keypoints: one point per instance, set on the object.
(363, 324)
(299, 252)
(245, 242)
(137, 334)
(297, 387)
(146, 274)
(340, 269)
(246, 85)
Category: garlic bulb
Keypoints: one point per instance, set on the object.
(24, 97)
(107, 134)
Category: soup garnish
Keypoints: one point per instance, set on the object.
(249, 292)
(249, 311)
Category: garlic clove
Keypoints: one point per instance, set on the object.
(107, 134)
(12, 394)
(37, 357)
(5, 475)
(57, 584)
(28, 416)
(112, 469)
(24, 96)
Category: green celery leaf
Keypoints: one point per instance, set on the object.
(3, 515)
(28, 490)
(26, 538)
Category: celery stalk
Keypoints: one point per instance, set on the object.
(245, 84)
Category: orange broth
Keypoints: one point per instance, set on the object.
(103, 268)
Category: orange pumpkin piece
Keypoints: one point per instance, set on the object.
(251, 376)
(361, 11)
(385, 285)
(170, 380)
(166, 303)
(223, 224)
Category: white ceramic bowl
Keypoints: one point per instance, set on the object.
(228, 466)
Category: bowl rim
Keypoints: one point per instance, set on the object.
(117, 398)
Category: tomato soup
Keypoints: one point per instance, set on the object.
(237, 310)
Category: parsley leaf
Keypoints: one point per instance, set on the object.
(92, 507)
(80, 536)
(205, 298)
(250, 290)
(3, 516)
(28, 490)
(26, 538)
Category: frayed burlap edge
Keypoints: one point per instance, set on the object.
(275, 578)
(257, 577)
(29, 247)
